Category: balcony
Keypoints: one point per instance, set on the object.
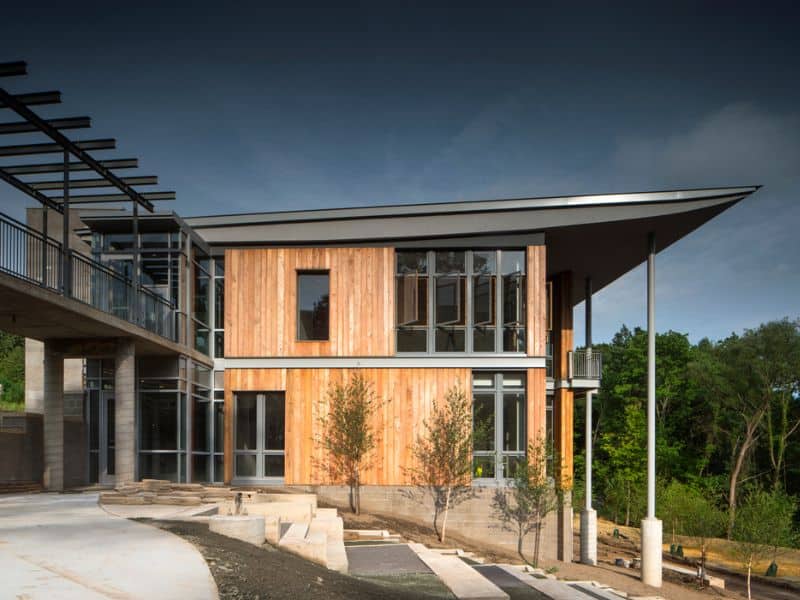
(27, 255)
(585, 365)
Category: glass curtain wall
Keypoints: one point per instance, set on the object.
(162, 418)
(219, 307)
(201, 423)
(460, 301)
(201, 294)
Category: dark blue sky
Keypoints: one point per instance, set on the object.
(248, 107)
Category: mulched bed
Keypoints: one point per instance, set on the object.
(244, 571)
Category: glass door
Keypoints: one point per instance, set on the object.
(102, 436)
(259, 436)
(499, 424)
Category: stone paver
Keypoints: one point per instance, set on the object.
(66, 546)
(464, 581)
(385, 559)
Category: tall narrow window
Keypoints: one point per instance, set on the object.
(484, 287)
(313, 305)
(514, 305)
(411, 280)
(450, 296)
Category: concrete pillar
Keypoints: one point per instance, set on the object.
(564, 518)
(651, 526)
(125, 410)
(53, 401)
(589, 515)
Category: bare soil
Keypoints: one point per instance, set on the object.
(246, 572)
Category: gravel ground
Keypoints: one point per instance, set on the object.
(243, 571)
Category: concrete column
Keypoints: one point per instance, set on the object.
(564, 544)
(651, 527)
(589, 515)
(53, 375)
(125, 410)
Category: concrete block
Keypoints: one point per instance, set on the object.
(246, 528)
(311, 546)
(179, 500)
(589, 537)
(272, 529)
(651, 551)
(288, 512)
(269, 497)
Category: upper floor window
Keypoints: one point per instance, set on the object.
(313, 304)
(460, 301)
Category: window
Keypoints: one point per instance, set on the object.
(313, 305)
(260, 427)
(459, 301)
(499, 424)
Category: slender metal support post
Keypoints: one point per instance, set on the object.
(137, 276)
(66, 266)
(588, 312)
(45, 216)
(651, 527)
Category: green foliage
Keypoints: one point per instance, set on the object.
(764, 522)
(523, 506)
(443, 455)
(728, 417)
(349, 436)
(12, 372)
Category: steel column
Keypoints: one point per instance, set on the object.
(66, 267)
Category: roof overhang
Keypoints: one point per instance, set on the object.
(602, 236)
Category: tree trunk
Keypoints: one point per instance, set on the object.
(520, 538)
(536, 544)
(627, 504)
(357, 494)
(703, 564)
(749, 570)
(750, 438)
(446, 510)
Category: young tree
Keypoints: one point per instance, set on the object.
(702, 521)
(763, 523)
(524, 505)
(443, 455)
(347, 433)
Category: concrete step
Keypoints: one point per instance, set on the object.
(464, 581)
(561, 590)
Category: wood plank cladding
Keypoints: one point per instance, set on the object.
(563, 398)
(261, 301)
(537, 301)
(410, 393)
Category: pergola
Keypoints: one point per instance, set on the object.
(75, 158)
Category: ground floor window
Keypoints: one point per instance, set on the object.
(259, 435)
(499, 424)
(100, 420)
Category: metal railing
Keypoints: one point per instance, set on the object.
(585, 364)
(25, 253)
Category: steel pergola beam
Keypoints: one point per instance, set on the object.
(10, 69)
(116, 163)
(25, 127)
(36, 98)
(49, 148)
(26, 189)
(100, 198)
(71, 147)
(93, 183)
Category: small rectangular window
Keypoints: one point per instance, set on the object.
(313, 305)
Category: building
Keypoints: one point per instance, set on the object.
(201, 349)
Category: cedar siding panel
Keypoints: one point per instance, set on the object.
(261, 318)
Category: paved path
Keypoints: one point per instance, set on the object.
(67, 547)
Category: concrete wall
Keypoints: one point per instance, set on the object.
(73, 381)
(473, 519)
(21, 451)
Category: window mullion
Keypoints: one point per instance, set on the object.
(431, 302)
(498, 301)
(468, 321)
(498, 426)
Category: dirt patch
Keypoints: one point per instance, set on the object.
(243, 571)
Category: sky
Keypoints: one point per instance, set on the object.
(244, 107)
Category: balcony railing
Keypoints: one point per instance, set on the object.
(28, 255)
(585, 364)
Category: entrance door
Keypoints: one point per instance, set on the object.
(259, 436)
(102, 436)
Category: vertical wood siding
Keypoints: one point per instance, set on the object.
(261, 301)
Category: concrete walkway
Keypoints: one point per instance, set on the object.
(67, 547)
